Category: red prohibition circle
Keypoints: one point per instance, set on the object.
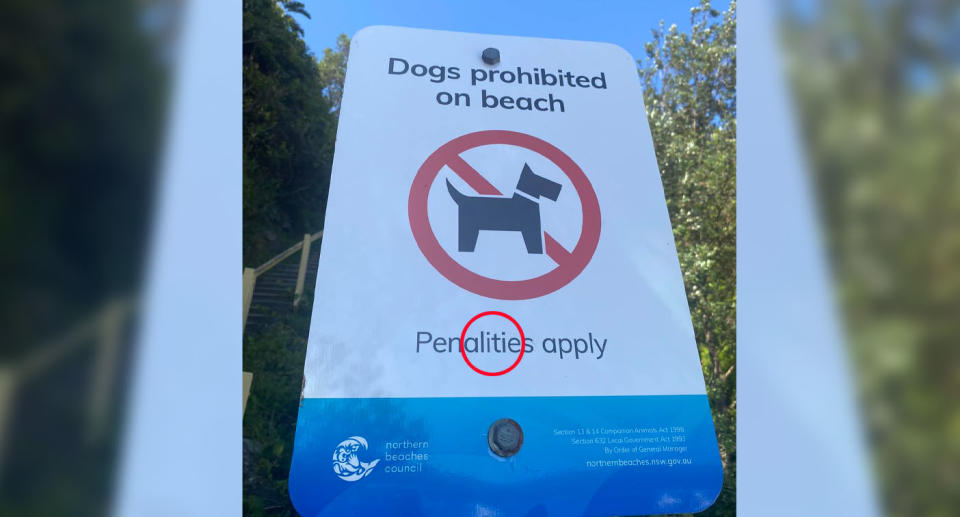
(463, 349)
(571, 263)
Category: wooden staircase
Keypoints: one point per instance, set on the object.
(270, 291)
(274, 293)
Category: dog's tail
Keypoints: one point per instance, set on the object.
(457, 196)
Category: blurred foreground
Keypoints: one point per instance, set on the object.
(82, 106)
(876, 87)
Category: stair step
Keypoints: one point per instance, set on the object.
(276, 280)
(272, 301)
(260, 317)
(273, 281)
(272, 293)
(272, 273)
(279, 271)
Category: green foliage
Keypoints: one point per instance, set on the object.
(275, 356)
(879, 110)
(288, 132)
(81, 109)
(333, 71)
(690, 96)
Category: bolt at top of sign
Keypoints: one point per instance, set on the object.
(491, 56)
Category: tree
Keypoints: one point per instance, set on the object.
(876, 88)
(287, 131)
(333, 71)
(690, 97)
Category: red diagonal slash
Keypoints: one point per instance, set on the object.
(473, 178)
(555, 250)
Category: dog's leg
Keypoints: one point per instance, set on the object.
(468, 237)
(533, 239)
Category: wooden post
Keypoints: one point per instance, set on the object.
(302, 272)
(249, 282)
(8, 391)
(247, 381)
(108, 338)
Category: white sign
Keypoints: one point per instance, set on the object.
(516, 208)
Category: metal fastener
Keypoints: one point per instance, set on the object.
(491, 56)
(505, 437)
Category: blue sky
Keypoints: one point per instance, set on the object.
(624, 22)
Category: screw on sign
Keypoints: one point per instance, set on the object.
(514, 213)
(491, 56)
(505, 437)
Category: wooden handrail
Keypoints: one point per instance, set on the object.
(113, 311)
(102, 329)
(266, 266)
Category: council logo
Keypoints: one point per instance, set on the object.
(346, 459)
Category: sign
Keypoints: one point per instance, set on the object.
(500, 325)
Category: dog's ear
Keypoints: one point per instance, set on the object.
(534, 185)
(551, 189)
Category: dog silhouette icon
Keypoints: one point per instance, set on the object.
(520, 213)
